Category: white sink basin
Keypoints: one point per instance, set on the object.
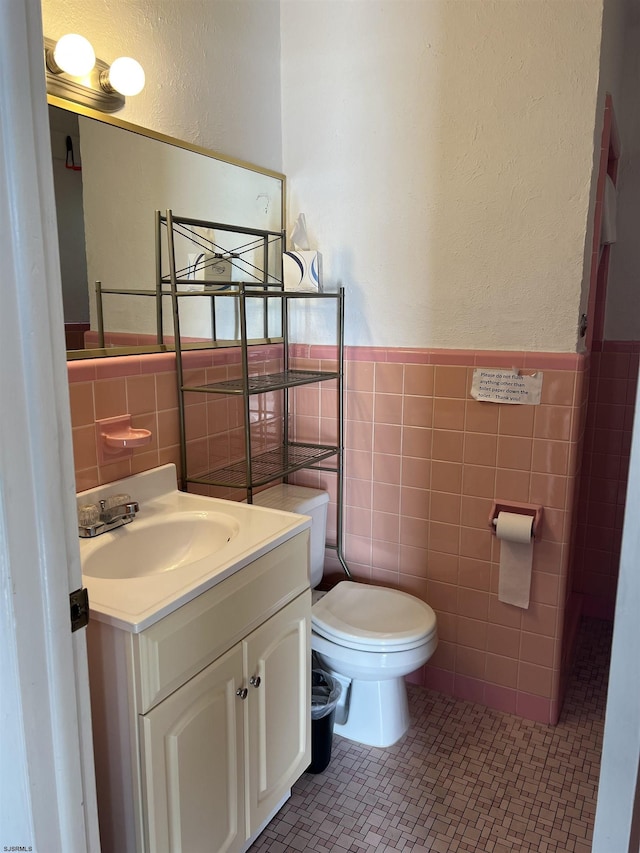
(157, 545)
(179, 545)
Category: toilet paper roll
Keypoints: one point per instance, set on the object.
(516, 557)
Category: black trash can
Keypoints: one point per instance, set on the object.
(325, 693)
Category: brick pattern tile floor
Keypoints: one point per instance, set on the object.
(464, 778)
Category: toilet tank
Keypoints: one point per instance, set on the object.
(312, 502)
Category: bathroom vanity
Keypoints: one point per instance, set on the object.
(201, 716)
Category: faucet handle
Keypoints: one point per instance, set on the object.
(88, 515)
(118, 507)
(115, 500)
(107, 514)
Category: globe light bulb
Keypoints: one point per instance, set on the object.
(126, 76)
(74, 54)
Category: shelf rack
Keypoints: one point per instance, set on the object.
(257, 468)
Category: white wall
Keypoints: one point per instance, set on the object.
(212, 66)
(442, 153)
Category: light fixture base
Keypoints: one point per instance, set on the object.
(87, 90)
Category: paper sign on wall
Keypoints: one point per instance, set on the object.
(506, 386)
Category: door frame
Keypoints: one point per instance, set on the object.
(617, 822)
(599, 270)
(47, 794)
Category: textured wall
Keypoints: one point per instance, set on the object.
(443, 154)
(441, 151)
(212, 67)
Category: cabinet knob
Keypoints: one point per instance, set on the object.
(255, 681)
(242, 692)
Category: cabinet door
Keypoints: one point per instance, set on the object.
(193, 763)
(278, 708)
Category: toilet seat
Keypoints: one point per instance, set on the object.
(373, 618)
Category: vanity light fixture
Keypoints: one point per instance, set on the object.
(73, 54)
(74, 73)
(126, 76)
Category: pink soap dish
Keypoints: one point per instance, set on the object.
(124, 438)
(116, 438)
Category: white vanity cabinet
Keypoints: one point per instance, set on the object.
(202, 721)
(193, 763)
(220, 753)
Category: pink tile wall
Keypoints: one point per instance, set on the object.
(146, 387)
(612, 394)
(103, 388)
(423, 463)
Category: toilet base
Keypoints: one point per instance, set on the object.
(378, 712)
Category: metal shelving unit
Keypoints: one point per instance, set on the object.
(259, 466)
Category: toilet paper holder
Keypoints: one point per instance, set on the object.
(534, 510)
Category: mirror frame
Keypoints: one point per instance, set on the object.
(106, 118)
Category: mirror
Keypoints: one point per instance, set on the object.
(110, 178)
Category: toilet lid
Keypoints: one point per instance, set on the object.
(373, 617)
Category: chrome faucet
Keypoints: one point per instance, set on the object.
(107, 514)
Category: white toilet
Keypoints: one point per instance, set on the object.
(369, 637)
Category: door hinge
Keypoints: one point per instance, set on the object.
(79, 608)
(583, 325)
